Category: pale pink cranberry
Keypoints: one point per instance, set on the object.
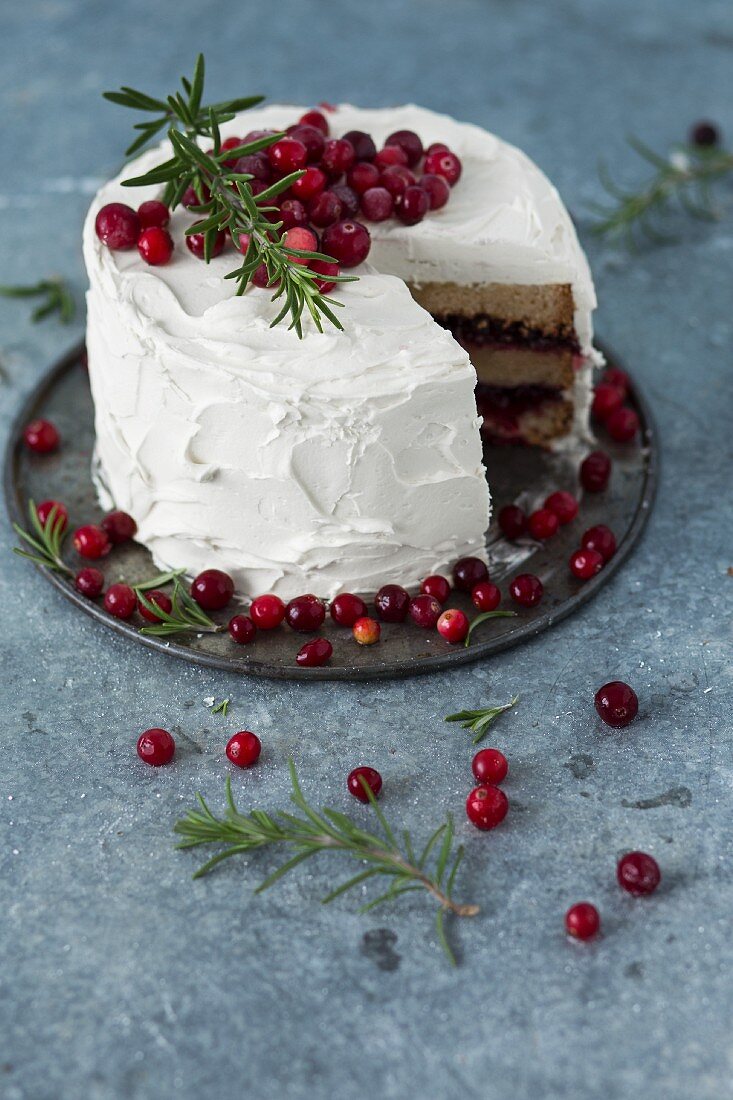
(444, 164)
(301, 239)
(366, 631)
(118, 226)
(437, 190)
(153, 213)
(377, 204)
(453, 625)
(348, 242)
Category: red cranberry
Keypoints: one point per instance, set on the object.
(302, 240)
(391, 154)
(437, 147)
(582, 921)
(315, 118)
(118, 226)
(364, 147)
(120, 527)
(486, 806)
(392, 603)
(156, 747)
(453, 626)
(617, 704)
(261, 278)
(191, 199)
(196, 243)
(446, 165)
(267, 612)
(606, 399)
(313, 654)
(436, 586)
(638, 873)
(91, 542)
(425, 611)
(513, 521)
(346, 608)
(287, 155)
(155, 245)
(312, 138)
(601, 539)
(243, 749)
(526, 589)
(377, 204)
(325, 210)
(120, 601)
(358, 777)
(467, 572)
(396, 180)
(310, 184)
(41, 436)
(564, 505)
(212, 589)
(437, 190)
(338, 156)
(622, 425)
(292, 214)
(323, 267)
(704, 134)
(256, 135)
(485, 596)
(543, 524)
(241, 629)
(226, 145)
(153, 213)
(160, 599)
(584, 564)
(348, 242)
(305, 613)
(366, 631)
(490, 766)
(362, 176)
(348, 198)
(61, 515)
(89, 581)
(409, 143)
(256, 165)
(614, 376)
(414, 206)
(595, 471)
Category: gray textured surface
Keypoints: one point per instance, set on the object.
(121, 978)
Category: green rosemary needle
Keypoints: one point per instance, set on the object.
(478, 721)
(55, 294)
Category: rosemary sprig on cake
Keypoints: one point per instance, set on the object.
(312, 831)
(54, 294)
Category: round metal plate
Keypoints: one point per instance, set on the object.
(515, 474)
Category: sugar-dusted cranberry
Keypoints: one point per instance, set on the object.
(582, 921)
(614, 376)
(601, 539)
(436, 586)
(356, 779)
(346, 608)
(243, 749)
(638, 873)
(397, 179)
(313, 654)
(362, 176)
(584, 564)
(595, 471)
(267, 612)
(301, 239)
(453, 626)
(348, 198)
(314, 118)
(377, 204)
(616, 704)
(327, 269)
(212, 589)
(348, 242)
(606, 399)
(366, 631)
(120, 527)
(120, 601)
(338, 156)
(414, 205)
(513, 521)
(160, 599)
(287, 155)
(526, 590)
(543, 524)
(156, 747)
(256, 165)
(41, 437)
(437, 147)
(155, 246)
(409, 142)
(392, 603)
(305, 613)
(60, 515)
(469, 571)
(310, 184)
(118, 226)
(622, 425)
(292, 214)
(391, 154)
(425, 611)
(325, 209)
(153, 213)
(486, 806)
(564, 505)
(196, 243)
(241, 629)
(704, 134)
(91, 542)
(313, 140)
(490, 766)
(485, 596)
(363, 146)
(437, 189)
(89, 581)
(443, 164)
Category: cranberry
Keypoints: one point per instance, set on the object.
(392, 603)
(396, 180)
(241, 629)
(391, 154)
(118, 226)
(437, 190)
(490, 766)
(614, 376)
(89, 581)
(256, 165)
(526, 589)
(226, 145)
(377, 204)
(91, 542)
(156, 747)
(638, 873)
(155, 246)
(347, 608)
(486, 806)
(314, 118)
(595, 471)
(41, 436)
(513, 521)
(601, 539)
(119, 527)
(414, 205)
(160, 599)
(153, 213)
(358, 777)
(257, 135)
(191, 199)
(622, 425)
(120, 601)
(287, 155)
(312, 138)
(338, 156)
(305, 613)
(267, 612)
(362, 176)
(324, 267)
(543, 524)
(446, 165)
(584, 564)
(302, 240)
(606, 399)
(292, 214)
(436, 586)
(704, 134)
(485, 596)
(425, 611)
(348, 198)
(564, 505)
(363, 146)
(261, 278)
(617, 704)
(314, 653)
(582, 921)
(61, 515)
(212, 589)
(310, 184)
(469, 571)
(196, 243)
(366, 631)
(348, 242)
(409, 143)
(437, 147)
(453, 626)
(325, 210)
(243, 749)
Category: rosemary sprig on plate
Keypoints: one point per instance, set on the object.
(312, 831)
(45, 540)
(482, 619)
(185, 615)
(55, 294)
(478, 721)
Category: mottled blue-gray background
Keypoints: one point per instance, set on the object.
(119, 977)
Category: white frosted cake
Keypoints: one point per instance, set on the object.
(344, 459)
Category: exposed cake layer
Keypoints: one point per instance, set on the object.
(496, 312)
(521, 366)
(530, 415)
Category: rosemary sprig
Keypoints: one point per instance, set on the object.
(57, 298)
(478, 721)
(185, 615)
(222, 707)
(482, 619)
(159, 581)
(46, 542)
(310, 832)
